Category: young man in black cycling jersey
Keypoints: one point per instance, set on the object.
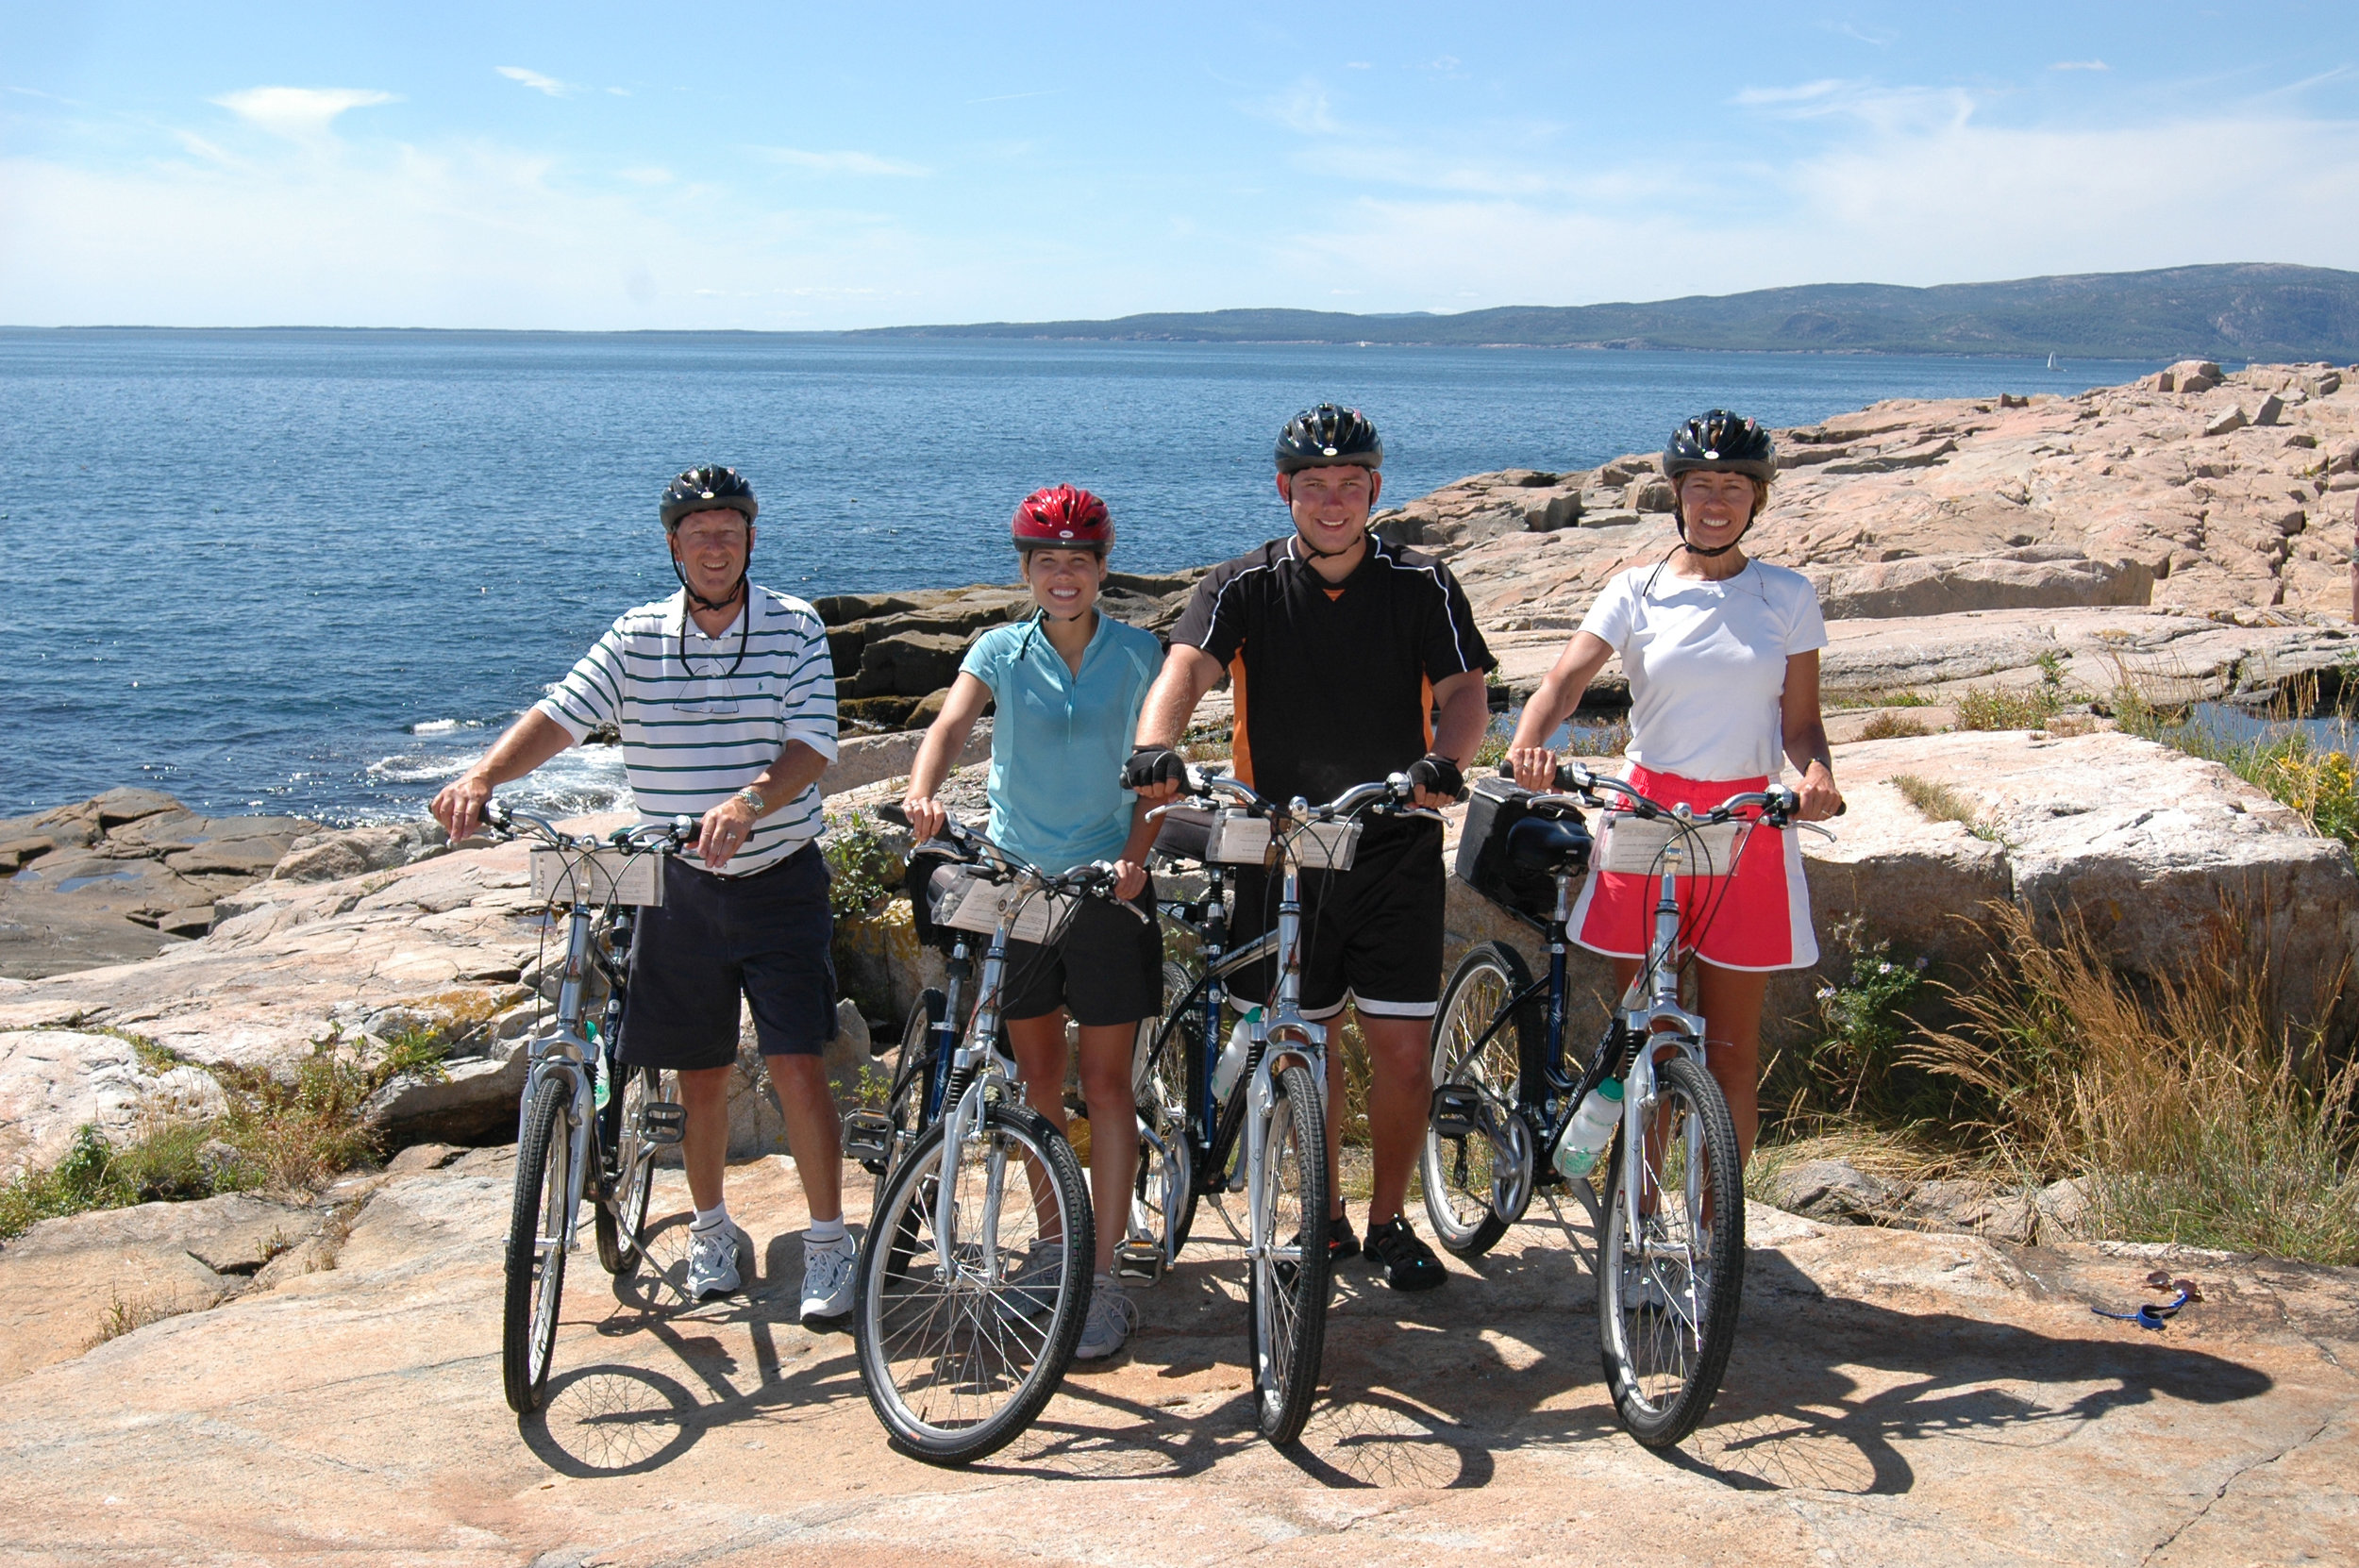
(1340, 648)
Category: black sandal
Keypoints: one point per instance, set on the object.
(1409, 1263)
(1341, 1240)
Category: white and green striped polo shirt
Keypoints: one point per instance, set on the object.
(697, 729)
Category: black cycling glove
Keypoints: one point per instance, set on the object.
(1437, 774)
(1152, 765)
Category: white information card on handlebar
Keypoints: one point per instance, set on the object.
(1634, 845)
(1243, 839)
(965, 900)
(606, 877)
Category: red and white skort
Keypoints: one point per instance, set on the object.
(1759, 912)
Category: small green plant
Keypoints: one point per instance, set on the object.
(414, 1053)
(1855, 1067)
(864, 870)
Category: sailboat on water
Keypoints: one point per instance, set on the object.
(2051, 363)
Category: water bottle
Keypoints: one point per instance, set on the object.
(1233, 1056)
(602, 1086)
(1593, 1128)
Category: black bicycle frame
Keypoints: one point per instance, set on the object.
(1551, 1097)
(1212, 1126)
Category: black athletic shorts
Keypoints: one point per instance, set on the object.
(766, 936)
(1109, 968)
(1371, 935)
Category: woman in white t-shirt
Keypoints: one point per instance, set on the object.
(1722, 656)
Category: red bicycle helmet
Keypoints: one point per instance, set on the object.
(1061, 518)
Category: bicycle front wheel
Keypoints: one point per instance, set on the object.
(623, 1217)
(1287, 1273)
(1476, 1185)
(1667, 1296)
(536, 1244)
(963, 1334)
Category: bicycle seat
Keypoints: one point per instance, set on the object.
(1550, 845)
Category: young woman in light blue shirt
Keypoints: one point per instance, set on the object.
(1068, 684)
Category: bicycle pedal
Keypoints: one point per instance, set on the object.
(868, 1138)
(1458, 1110)
(660, 1122)
(1139, 1259)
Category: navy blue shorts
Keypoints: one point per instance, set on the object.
(765, 936)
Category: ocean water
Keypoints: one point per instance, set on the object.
(315, 572)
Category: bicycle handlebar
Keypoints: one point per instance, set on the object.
(505, 822)
(1394, 796)
(1579, 785)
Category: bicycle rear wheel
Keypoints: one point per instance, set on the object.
(1287, 1276)
(1476, 1185)
(623, 1217)
(536, 1244)
(913, 1069)
(1166, 1066)
(958, 1355)
(1667, 1297)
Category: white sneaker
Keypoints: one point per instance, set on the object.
(1112, 1315)
(717, 1260)
(828, 1282)
(1033, 1278)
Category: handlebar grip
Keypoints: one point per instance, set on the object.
(892, 812)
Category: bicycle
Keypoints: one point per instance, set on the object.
(1189, 1135)
(1670, 1256)
(574, 1118)
(956, 1266)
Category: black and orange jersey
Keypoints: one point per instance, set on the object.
(1334, 682)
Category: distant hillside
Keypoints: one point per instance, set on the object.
(2240, 312)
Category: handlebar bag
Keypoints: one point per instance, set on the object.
(1182, 832)
(1512, 852)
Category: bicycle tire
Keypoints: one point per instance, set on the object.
(1667, 1348)
(1287, 1279)
(1164, 1069)
(957, 1369)
(536, 1256)
(905, 1105)
(623, 1214)
(1461, 1177)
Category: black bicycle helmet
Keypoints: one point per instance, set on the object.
(1327, 436)
(705, 489)
(1723, 440)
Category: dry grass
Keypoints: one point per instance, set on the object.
(122, 1317)
(1889, 726)
(2193, 1113)
(1942, 803)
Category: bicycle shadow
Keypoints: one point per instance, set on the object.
(616, 1418)
(1824, 1394)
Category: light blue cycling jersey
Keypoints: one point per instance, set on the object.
(1059, 740)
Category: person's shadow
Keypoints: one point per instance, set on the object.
(614, 1418)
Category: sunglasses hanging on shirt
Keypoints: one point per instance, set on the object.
(713, 693)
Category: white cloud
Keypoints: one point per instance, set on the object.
(2080, 65)
(1807, 92)
(299, 113)
(535, 81)
(1301, 108)
(844, 164)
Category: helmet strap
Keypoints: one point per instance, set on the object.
(699, 601)
(1304, 540)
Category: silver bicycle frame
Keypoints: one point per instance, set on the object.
(565, 1053)
(1641, 1015)
(1283, 1033)
(979, 1054)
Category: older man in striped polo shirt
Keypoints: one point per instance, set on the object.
(726, 699)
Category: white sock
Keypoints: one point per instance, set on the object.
(707, 1218)
(824, 1232)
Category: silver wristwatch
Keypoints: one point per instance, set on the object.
(752, 797)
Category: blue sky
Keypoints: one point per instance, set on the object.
(786, 166)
